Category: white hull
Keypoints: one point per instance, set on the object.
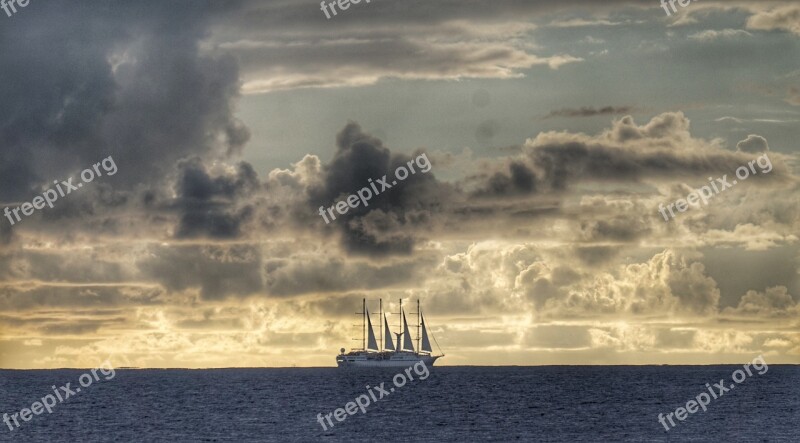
(376, 360)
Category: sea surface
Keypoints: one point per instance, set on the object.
(465, 404)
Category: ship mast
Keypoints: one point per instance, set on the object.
(363, 315)
(400, 324)
(419, 321)
(364, 323)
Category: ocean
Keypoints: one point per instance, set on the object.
(465, 404)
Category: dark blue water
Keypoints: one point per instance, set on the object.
(553, 403)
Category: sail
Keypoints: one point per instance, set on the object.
(371, 343)
(408, 345)
(388, 334)
(426, 344)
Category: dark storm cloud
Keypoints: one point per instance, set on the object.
(589, 111)
(653, 154)
(207, 205)
(360, 157)
(662, 149)
(519, 180)
(85, 80)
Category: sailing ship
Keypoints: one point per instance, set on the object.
(382, 352)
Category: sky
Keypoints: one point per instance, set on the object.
(558, 133)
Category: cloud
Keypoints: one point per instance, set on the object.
(312, 275)
(27, 296)
(589, 111)
(660, 150)
(748, 236)
(668, 282)
(557, 61)
(675, 338)
(595, 255)
(190, 258)
(218, 271)
(375, 229)
(593, 41)
(774, 302)
(207, 205)
(310, 65)
(291, 47)
(753, 144)
(558, 336)
(137, 89)
(793, 96)
(755, 120)
(555, 286)
(711, 34)
(6, 234)
(581, 22)
(785, 18)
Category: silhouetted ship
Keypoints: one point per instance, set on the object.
(385, 354)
